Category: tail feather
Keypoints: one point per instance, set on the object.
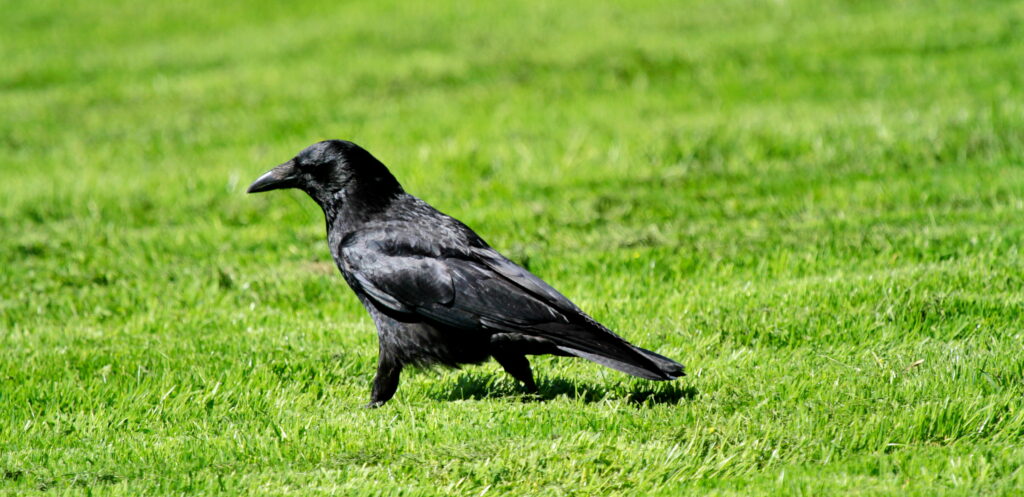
(592, 341)
(628, 368)
(669, 368)
(656, 367)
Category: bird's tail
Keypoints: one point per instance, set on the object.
(638, 362)
(668, 367)
(592, 341)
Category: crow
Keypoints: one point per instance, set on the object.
(437, 293)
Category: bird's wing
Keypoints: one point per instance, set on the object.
(479, 289)
(525, 280)
(447, 287)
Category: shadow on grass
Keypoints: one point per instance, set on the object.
(477, 386)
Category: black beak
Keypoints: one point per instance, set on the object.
(283, 176)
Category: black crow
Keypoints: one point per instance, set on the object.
(436, 291)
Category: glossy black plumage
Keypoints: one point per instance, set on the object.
(436, 291)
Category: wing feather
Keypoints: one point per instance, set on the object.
(480, 289)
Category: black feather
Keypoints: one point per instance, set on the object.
(436, 291)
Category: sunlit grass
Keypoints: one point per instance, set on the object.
(814, 205)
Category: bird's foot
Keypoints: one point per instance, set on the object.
(374, 404)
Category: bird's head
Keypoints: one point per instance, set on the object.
(332, 171)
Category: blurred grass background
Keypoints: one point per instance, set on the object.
(814, 205)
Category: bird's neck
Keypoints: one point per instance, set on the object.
(358, 203)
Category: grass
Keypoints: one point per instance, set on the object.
(816, 206)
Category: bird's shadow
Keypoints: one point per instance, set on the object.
(477, 386)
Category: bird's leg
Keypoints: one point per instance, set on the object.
(385, 383)
(510, 350)
(519, 367)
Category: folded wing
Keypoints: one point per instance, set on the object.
(480, 289)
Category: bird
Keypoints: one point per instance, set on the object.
(437, 293)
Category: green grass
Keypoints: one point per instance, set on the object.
(815, 205)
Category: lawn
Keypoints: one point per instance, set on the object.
(815, 205)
